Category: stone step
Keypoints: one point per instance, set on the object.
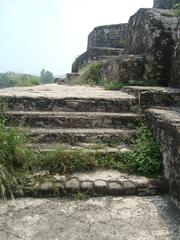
(72, 119)
(53, 97)
(85, 147)
(150, 96)
(70, 104)
(98, 183)
(74, 136)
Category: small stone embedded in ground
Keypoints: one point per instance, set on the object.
(130, 187)
(73, 185)
(115, 188)
(100, 186)
(87, 186)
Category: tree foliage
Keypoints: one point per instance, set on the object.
(46, 76)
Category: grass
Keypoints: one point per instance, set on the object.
(144, 158)
(112, 85)
(17, 160)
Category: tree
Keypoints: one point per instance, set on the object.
(46, 76)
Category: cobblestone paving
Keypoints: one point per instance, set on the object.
(122, 218)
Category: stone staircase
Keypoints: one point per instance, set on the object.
(101, 121)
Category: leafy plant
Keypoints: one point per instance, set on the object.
(92, 74)
(146, 157)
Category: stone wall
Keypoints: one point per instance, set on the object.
(153, 32)
(124, 68)
(175, 73)
(112, 36)
(165, 4)
(165, 124)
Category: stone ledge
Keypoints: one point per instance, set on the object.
(99, 183)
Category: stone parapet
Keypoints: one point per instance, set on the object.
(109, 36)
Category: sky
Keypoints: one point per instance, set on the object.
(50, 34)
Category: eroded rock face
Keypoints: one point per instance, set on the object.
(124, 68)
(175, 73)
(153, 32)
(165, 4)
(112, 36)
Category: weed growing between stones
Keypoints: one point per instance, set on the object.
(17, 159)
(13, 153)
(144, 158)
(113, 85)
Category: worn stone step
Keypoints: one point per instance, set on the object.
(70, 104)
(98, 183)
(85, 147)
(74, 136)
(72, 119)
(150, 96)
(53, 97)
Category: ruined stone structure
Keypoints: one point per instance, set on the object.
(104, 43)
(94, 54)
(110, 36)
(153, 32)
(165, 4)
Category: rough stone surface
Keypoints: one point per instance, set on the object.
(71, 119)
(52, 97)
(166, 127)
(130, 218)
(115, 188)
(153, 32)
(72, 185)
(94, 54)
(149, 96)
(87, 186)
(100, 186)
(165, 4)
(124, 68)
(110, 36)
(97, 183)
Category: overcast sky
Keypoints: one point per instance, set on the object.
(50, 34)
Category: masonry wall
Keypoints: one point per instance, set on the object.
(110, 36)
(165, 4)
(167, 133)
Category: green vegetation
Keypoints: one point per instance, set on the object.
(145, 158)
(46, 77)
(18, 159)
(112, 85)
(91, 74)
(13, 154)
(10, 79)
(176, 7)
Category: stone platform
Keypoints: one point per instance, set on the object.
(122, 218)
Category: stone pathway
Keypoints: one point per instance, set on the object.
(127, 218)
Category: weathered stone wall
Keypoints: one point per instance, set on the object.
(153, 32)
(112, 36)
(165, 125)
(124, 68)
(165, 4)
(175, 73)
(94, 54)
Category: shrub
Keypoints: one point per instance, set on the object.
(146, 157)
(92, 74)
